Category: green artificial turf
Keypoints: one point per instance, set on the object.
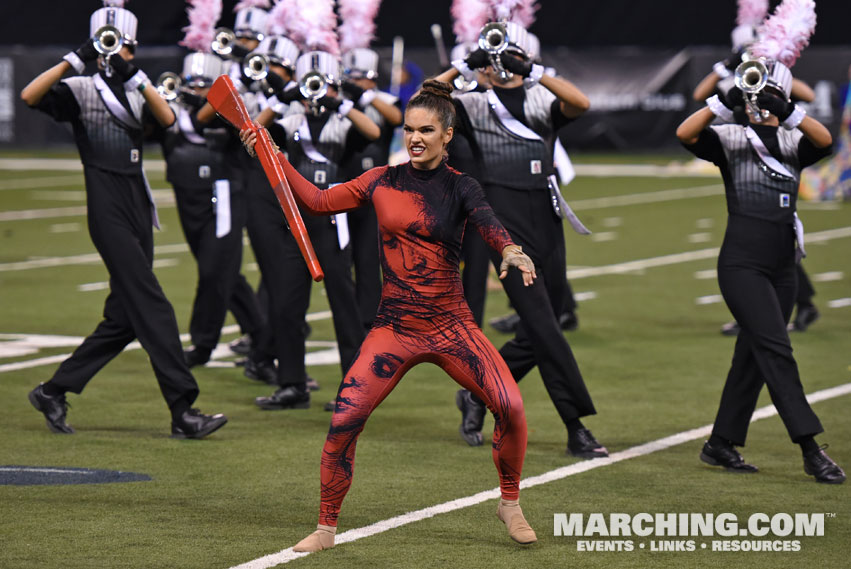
(652, 357)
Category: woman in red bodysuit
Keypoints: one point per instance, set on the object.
(422, 209)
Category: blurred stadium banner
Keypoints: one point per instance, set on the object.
(638, 95)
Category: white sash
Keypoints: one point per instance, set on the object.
(800, 252)
(115, 108)
(184, 122)
(508, 120)
(765, 155)
(341, 220)
(565, 168)
(563, 164)
(306, 142)
(221, 193)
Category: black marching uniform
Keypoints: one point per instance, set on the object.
(211, 205)
(107, 123)
(515, 178)
(363, 225)
(330, 135)
(757, 273)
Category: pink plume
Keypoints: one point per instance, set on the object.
(470, 16)
(751, 12)
(279, 17)
(503, 9)
(242, 4)
(203, 15)
(786, 32)
(312, 25)
(525, 14)
(358, 27)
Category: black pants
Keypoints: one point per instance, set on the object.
(757, 276)
(220, 284)
(529, 218)
(288, 281)
(119, 219)
(363, 228)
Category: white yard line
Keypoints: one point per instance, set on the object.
(649, 197)
(63, 164)
(287, 555)
(661, 261)
(164, 198)
(40, 182)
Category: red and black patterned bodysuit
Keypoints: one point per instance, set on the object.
(423, 316)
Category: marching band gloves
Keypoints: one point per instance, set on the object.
(726, 67)
(360, 96)
(133, 77)
(276, 82)
(192, 100)
(336, 105)
(789, 114)
(478, 59)
(731, 108)
(81, 55)
(530, 71)
(352, 90)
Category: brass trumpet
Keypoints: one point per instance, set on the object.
(223, 42)
(751, 76)
(108, 40)
(313, 85)
(494, 39)
(256, 66)
(169, 85)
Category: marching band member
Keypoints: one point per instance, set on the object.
(211, 214)
(761, 161)
(106, 111)
(316, 133)
(514, 123)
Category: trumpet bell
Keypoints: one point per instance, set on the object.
(168, 85)
(223, 41)
(493, 38)
(751, 76)
(256, 66)
(108, 40)
(313, 85)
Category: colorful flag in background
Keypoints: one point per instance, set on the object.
(832, 179)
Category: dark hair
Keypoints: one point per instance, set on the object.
(436, 96)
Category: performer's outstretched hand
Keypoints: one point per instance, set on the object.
(513, 256)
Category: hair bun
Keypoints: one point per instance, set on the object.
(438, 89)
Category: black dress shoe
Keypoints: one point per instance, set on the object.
(806, 315)
(54, 408)
(818, 464)
(193, 424)
(261, 370)
(568, 321)
(331, 405)
(312, 384)
(472, 417)
(730, 329)
(289, 397)
(241, 346)
(506, 324)
(726, 456)
(582, 444)
(196, 356)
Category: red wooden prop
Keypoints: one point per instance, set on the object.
(225, 99)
